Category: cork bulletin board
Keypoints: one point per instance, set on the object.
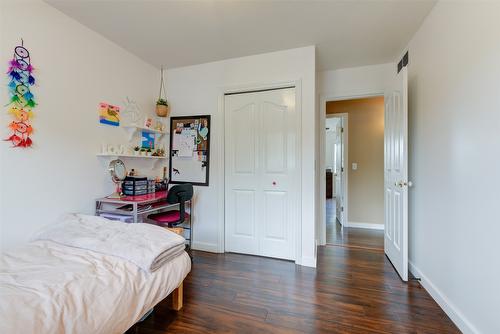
(190, 149)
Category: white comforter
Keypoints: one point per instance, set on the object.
(148, 246)
(46, 287)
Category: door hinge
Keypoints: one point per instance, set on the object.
(342, 130)
(342, 208)
(342, 169)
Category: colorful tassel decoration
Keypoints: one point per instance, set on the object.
(15, 75)
(22, 100)
(28, 96)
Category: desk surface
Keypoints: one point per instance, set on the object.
(142, 199)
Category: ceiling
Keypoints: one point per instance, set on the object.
(180, 33)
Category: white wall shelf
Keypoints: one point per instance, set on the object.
(129, 156)
(133, 129)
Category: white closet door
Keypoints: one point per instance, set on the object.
(262, 179)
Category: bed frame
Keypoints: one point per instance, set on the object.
(177, 297)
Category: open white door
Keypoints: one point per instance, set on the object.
(396, 173)
(339, 172)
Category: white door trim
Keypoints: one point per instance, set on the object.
(323, 99)
(220, 123)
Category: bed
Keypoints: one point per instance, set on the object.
(48, 287)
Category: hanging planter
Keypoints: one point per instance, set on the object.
(162, 107)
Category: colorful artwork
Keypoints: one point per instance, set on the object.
(148, 140)
(22, 100)
(109, 114)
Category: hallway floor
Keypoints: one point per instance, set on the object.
(350, 237)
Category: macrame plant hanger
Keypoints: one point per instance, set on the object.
(162, 107)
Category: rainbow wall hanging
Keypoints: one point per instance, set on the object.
(22, 100)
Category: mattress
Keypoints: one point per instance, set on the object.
(49, 288)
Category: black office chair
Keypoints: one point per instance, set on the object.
(178, 194)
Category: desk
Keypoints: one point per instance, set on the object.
(157, 200)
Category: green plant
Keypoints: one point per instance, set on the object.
(137, 148)
(161, 102)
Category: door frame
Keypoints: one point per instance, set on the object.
(220, 142)
(323, 99)
(345, 153)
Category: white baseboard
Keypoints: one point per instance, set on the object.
(448, 307)
(371, 226)
(206, 247)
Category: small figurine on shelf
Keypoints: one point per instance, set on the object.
(158, 153)
(159, 126)
(148, 122)
(137, 150)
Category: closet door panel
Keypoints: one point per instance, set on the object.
(241, 175)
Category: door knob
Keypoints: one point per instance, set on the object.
(403, 184)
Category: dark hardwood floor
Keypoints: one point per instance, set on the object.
(353, 290)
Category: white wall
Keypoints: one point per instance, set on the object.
(75, 70)
(355, 81)
(337, 85)
(454, 107)
(197, 90)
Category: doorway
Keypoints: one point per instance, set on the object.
(354, 156)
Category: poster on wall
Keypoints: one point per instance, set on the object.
(109, 114)
(189, 149)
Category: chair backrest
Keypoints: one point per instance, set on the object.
(180, 193)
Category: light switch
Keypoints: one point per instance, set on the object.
(354, 166)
